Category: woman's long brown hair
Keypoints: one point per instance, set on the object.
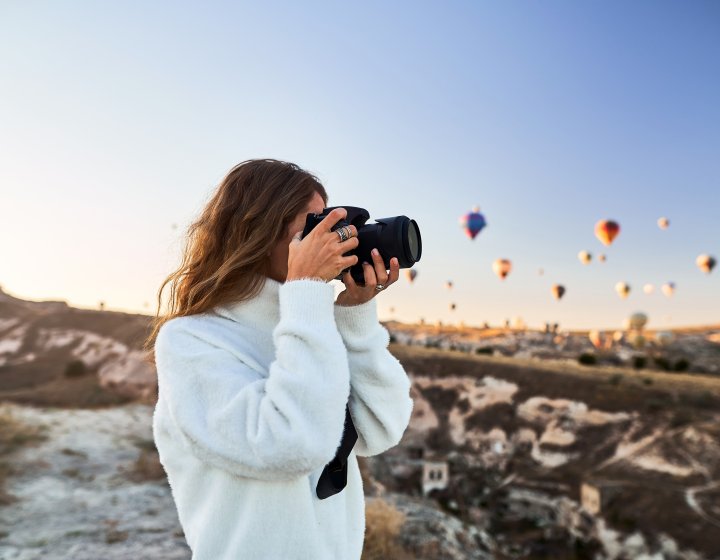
(226, 255)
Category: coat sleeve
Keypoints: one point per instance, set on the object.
(380, 401)
(277, 427)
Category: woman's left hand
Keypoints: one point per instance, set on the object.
(374, 274)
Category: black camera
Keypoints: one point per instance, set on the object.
(398, 236)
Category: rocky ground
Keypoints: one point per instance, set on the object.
(526, 431)
(89, 489)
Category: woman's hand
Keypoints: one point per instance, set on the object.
(374, 274)
(320, 253)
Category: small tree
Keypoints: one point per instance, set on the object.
(75, 368)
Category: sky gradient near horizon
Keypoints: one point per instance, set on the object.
(118, 120)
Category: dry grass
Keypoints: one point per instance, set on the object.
(147, 466)
(14, 435)
(674, 382)
(382, 527)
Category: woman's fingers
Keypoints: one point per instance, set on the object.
(370, 278)
(394, 270)
(380, 270)
(333, 217)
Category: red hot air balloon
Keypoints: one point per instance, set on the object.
(473, 222)
(606, 231)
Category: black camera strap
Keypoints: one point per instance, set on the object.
(334, 476)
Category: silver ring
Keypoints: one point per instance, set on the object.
(380, 287)
(344, 233)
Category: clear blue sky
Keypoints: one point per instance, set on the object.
(118, 120)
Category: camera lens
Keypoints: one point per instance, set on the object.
(413, 240)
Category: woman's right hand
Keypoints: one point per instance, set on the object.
(320, 253)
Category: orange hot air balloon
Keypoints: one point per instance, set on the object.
(600, 339)
(706, 263)
(623, 289)
(585, 257)
(663, 223)
(410, 274)
(558, 291)
(502, 268)
(606, 231)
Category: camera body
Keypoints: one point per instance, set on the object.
(397, 236)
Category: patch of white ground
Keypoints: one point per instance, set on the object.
(681, 452)
(560, 420)
(72, 489)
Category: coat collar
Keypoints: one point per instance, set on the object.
(263, 310)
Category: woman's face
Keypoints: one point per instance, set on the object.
(279, 253)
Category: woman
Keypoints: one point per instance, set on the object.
(257, 363)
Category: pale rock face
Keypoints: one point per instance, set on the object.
(130, 375)
(423, 416)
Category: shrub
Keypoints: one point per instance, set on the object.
(587, 359)
(681, 418)
(485, 350)
(662, 362)
(383, 523)
(75, 368)
(654, 404)
(639, 362)
(681, 365)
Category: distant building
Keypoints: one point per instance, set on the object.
(595, 495)
(435, 476)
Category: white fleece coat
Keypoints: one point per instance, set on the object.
(251, 407)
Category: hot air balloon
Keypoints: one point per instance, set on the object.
(637, 340)
(668, 289)
(558, 291)
(473, 222)
(618, 336)
(663, 223)
(706, 263)
(623, 289)
(452, 307)
(600, 339)
(602, 257)
(664, 337)
(410, 274)
(502, 268)
(606, 231)
(637, 321)
(584, 257)
(648, 289)
(449, 284)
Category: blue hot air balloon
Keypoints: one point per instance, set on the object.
(473, 222)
